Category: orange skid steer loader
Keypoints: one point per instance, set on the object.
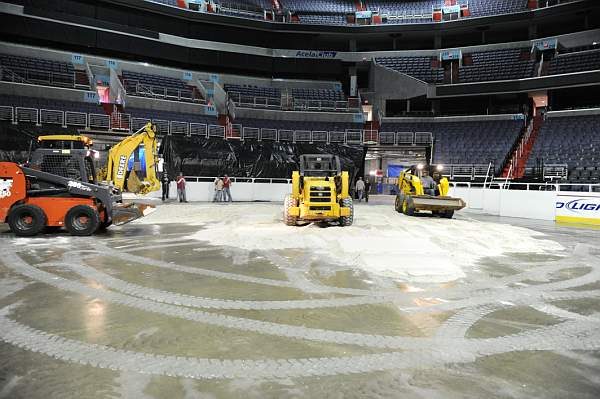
(31, 200)
(60, 189)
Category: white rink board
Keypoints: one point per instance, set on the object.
(578, 207)
(509, 203)
(544, 205)
(204, 191)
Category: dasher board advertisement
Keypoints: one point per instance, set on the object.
(578, 208)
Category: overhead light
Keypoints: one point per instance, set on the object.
(420, 166)
(439, 168)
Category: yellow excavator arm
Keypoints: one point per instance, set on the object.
(118, 161)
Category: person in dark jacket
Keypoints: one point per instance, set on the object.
(367, 188)
(165, 186)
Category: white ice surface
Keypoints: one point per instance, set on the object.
(381, 241)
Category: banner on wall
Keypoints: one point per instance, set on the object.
(210, 110)
(315, 54)
(447, 55)
(546, 44)
(451, 9)
(77, 59)
(578, 208)
(394, 170)
(91, 97)
(112, 64)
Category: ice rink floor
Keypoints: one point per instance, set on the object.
(224, 301)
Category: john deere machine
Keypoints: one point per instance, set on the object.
(319, 193)
(131, 163)
(423, 188)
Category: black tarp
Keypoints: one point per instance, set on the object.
(198, 156)
(15, 141)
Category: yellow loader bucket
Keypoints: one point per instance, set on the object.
(128, 212)
(134, 184)
(430, 203)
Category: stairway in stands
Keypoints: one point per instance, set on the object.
(371, 132)
(276, 5)
(522, 150)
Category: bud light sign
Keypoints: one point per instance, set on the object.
(583, 208)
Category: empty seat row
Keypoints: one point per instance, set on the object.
(318, 94)
(252, 90)
(42, 103)
(418, 67)
(503, 64)
(575, 62)
(13, 61)
(570, 140)
(298, 125)
(154, 80)
(170, 116)
(473, 142)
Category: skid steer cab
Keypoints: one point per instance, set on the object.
(423, 188)
(319, 193)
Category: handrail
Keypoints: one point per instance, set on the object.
(545, 186)
(288, 102)
(163, 91)
(124, 121)
(239, 179)
(29, 75)
(487, 174)
(508, 175)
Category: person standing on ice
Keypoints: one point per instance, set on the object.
(181, 188)
(218, 197)
(227, 189)
(360, 189)
(165, 186)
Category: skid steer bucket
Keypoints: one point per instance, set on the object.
(430, 203)
(128, 212)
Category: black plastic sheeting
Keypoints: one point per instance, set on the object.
(15, 141)
(198, 156)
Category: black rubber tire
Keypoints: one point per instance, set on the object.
(398, 203)
(23, 228)
(288, 203)
(347, 220)
(409, 210)
(77, 227)
(104, 225)
(447, 214)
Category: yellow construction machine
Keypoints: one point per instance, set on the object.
(319, 193)
(423, 188)
(131, 163)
